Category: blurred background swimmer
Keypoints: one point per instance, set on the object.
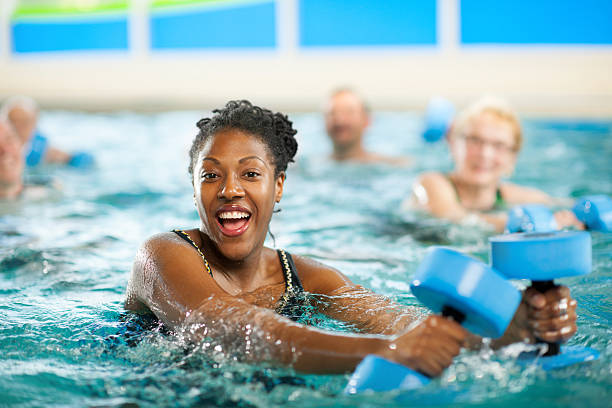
(12, 163)
(22, 113)
(484, 141)
(347, 118)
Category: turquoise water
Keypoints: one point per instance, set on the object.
(64, 263)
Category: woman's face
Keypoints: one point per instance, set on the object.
(484, 150)
(235, 190)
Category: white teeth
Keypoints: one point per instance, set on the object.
(233, 215)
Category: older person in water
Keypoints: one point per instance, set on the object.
(346, 120)
(484, 142)
(11, 162)
(22, 113)
(219, 282)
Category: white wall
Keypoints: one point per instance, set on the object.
(541, 80)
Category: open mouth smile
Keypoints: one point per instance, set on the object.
(233, 221)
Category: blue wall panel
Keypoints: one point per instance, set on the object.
(366, 22)
(249, 26)
(70, 34)
(536, 22)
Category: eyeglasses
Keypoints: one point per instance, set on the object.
(472, 141)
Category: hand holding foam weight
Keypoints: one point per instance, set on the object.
(459, 287)
(595, 212)
(543, 257)
(531, 218)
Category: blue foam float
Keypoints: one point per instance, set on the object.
(595, 212)
(543, 257)
(456, 285)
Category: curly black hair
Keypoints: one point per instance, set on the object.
(274, 129)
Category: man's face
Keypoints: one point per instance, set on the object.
(345, 119)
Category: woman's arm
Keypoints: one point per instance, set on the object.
(168, 279)
(550, 316)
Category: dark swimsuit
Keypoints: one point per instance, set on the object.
(292, 303)
(498, 205)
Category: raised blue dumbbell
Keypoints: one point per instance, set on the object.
(438, 118)
(543, 257)
(595, 212)
(456, 286)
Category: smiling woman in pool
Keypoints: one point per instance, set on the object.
(484, 142)
(219, 281)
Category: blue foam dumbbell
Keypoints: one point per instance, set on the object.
(543, 257)
(438, 118)
(531, 218)
(456, 286)
(35, 153)
(594, 211)
(81, 160)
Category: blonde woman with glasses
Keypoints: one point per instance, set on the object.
(484, 142)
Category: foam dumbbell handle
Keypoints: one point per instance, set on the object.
(543, 287)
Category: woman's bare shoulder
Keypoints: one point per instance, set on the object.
(435, 184)
(517, 194)
(317, 277)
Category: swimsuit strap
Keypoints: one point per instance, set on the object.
(499, 199)
(290, 304)
(292, 282)
(187, 238)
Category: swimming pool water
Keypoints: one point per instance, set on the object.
(64, 263)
